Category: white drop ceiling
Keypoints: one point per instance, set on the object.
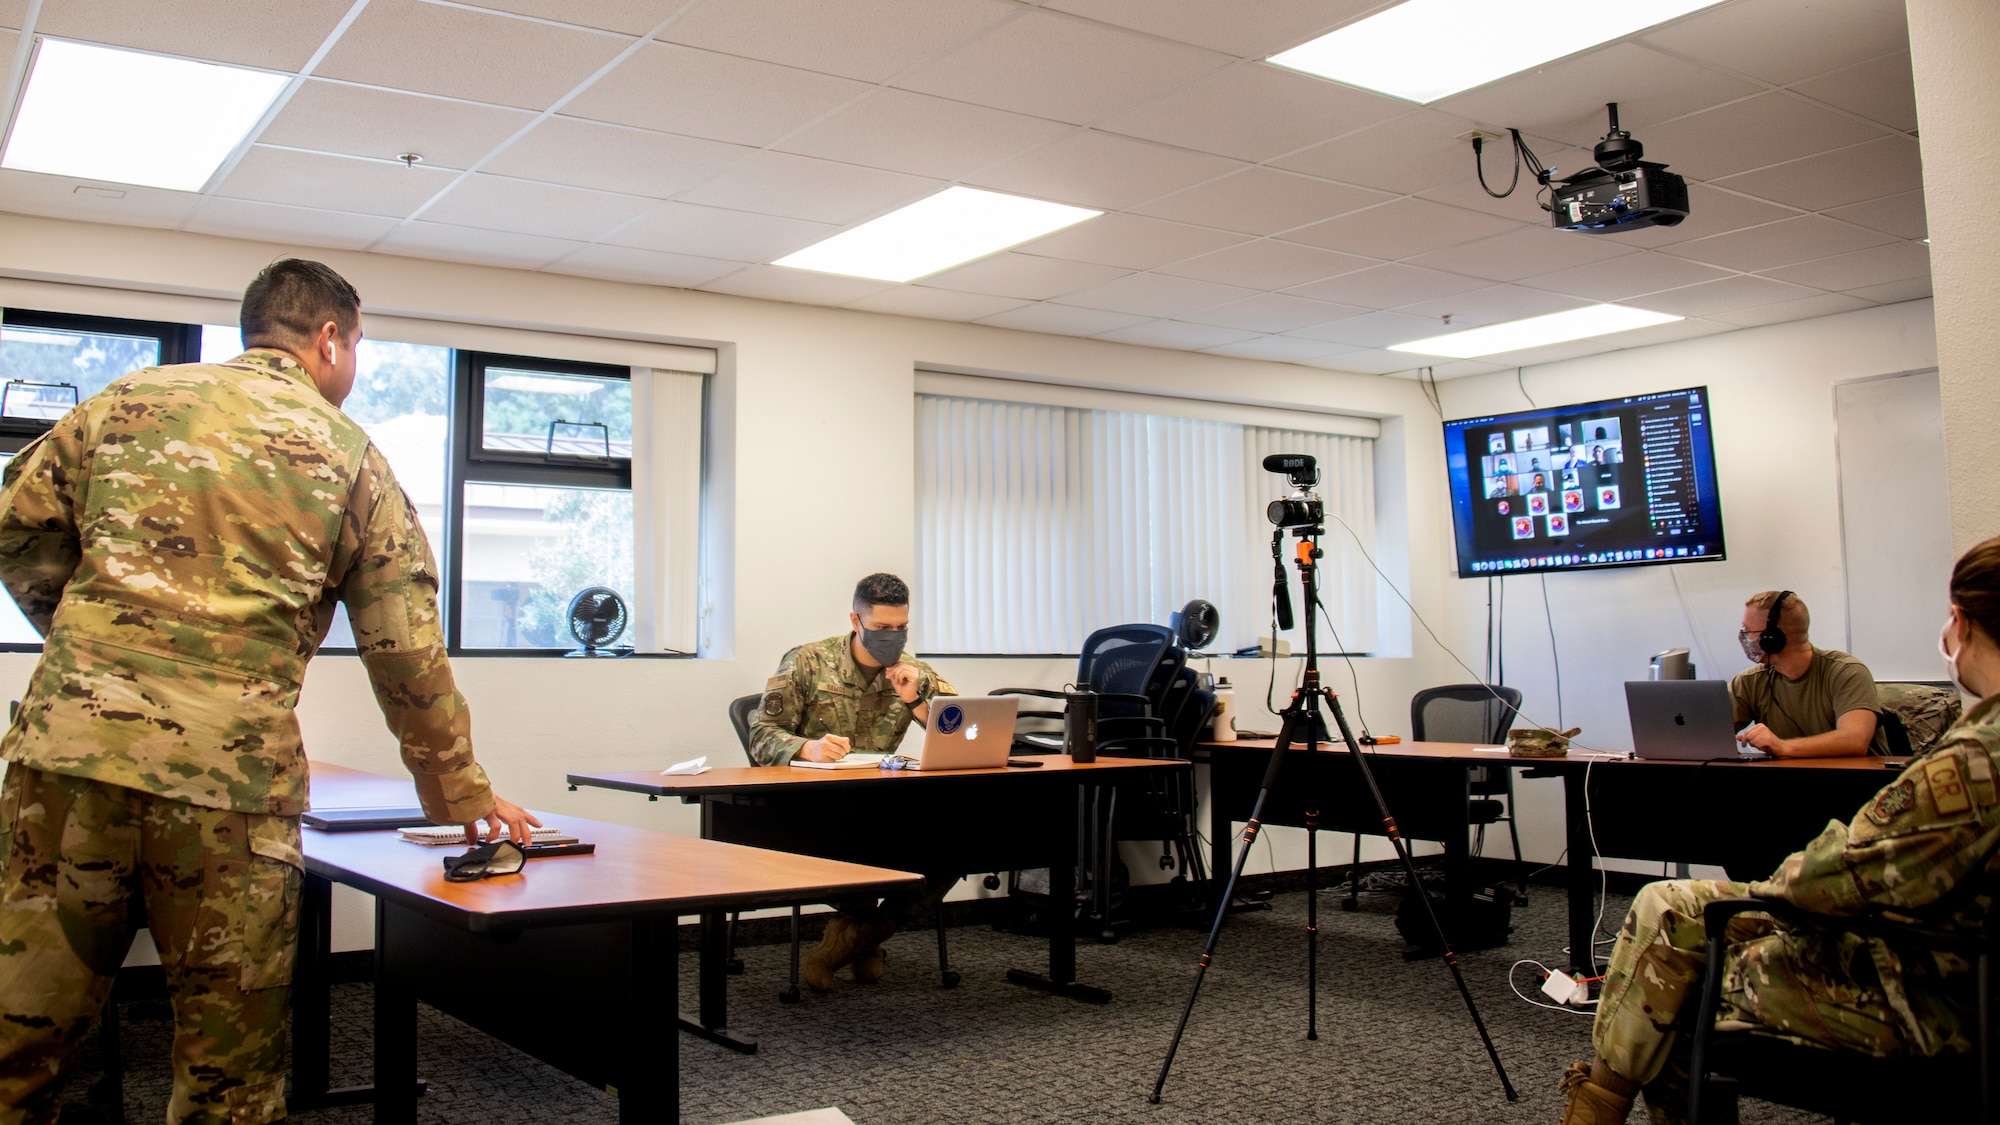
(1251, 211)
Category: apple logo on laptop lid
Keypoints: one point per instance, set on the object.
(1680, 720)
(972, 732)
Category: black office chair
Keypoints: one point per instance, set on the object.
(1157, 808)
(1130, 668)
(1467, 713)
(1846, 1086)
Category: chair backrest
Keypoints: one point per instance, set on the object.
(1191, 722)
(1916, 713)
(1463, 713)
(1127, 660)
(740, 710)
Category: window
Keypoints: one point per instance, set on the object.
(51, 361)
(1038, 523)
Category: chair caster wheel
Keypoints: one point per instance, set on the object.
(948, 979)
(788, 995)
(735, 966)
(1108, 937)
(991, 882)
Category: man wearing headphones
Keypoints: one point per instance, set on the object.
(1801, 701)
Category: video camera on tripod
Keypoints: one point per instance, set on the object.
(1302, 512)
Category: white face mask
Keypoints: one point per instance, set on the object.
(1951, 660)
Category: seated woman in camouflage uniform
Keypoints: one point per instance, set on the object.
(1922, 848)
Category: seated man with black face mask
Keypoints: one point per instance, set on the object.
(852, 693)
(1801, 701)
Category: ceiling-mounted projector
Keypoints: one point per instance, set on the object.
(1622, 193)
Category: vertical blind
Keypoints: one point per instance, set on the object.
(1037, 524)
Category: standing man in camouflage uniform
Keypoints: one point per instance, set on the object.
(847, 693)
(181, 540)
(1922, 849)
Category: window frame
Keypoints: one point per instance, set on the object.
(179, 343)
(471, 463)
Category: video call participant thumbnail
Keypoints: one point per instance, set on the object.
(1804, 702)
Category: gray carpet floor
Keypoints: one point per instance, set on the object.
(1395, 1045)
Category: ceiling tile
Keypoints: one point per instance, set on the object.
(872, 40)
(1491, 306)
(1401, 229)
(58, 197)
(1367, 361)
(1767, 129)
(1520, 203)
(363, 121)
(630, 17)
(1728, 294)
(13, 13)
(1403, 155)
(715, 232)
(1523, 252)
(1900, 215)
(936, 304)
(406, 45)
(1285, 349)
(1101, 170)
(1152, 294)
(800, 187)
(1911, 289)
(1176, 334)
(1783, 41)
(527, 207)
(480, 247)
(1710, 211)
(300, 226)
(645, 267)
(1254, 112)
(1619, 278)
(1805, 308)
(1048, 65)
(1388, 286)
(702, 94)
(1373, 330)
(1261, 201)
(1272, 312)
(588, 154)
(1267, 264)
(1024, 276)
(1888, 166)
(274, 36)
(1881, 90)
(1130, 241)
(1565, 99)
(1779, 244)
(1062, 320)
(776, 283)
(1898, 261)
(921, 135)
(332, 183)
(1247, 30)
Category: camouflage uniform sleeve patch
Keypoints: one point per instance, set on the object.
(1892, 802)
(1948, 792)
(774, 703)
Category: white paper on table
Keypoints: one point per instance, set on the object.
(691, 766)
(1489, 750)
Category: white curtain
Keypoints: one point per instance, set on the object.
(1347, 583)
(1037, 524)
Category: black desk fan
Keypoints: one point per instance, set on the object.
(597, 617)
(1195, 623)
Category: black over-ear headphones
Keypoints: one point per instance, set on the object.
(1772, 639)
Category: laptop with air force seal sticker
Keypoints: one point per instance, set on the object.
(971, 732)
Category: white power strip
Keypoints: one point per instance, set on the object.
(1565, 989)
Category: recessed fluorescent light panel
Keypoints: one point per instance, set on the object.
(1423, 50)
(100, 113)
(956, 225)
(1555, 328)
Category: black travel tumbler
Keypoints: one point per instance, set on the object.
(1080, 723)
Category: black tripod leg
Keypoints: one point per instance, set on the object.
(1416, 885)
(1312, 923)
(1250, 831)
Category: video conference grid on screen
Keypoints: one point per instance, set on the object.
(1615, 483)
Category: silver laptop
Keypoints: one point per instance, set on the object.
(969, 732)
(1685, 720)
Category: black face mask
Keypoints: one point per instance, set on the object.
(884, 646)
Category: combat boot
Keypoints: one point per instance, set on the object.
(869, 958)
(835, 949)
(1587, 1102)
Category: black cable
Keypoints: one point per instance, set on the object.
(1427, 379)
(1501, 667)
(1522, 383)
(1479, 165)
(1555, 651)
(1360, 711)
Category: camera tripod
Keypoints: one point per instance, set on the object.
(1303, 725)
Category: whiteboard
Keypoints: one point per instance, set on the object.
(1895, 525)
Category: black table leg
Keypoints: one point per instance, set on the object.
(395, 1030)
(1221, 833)
(312, 1001)
(650, 1089)
(1061, 977)
(1582, 878)
(713, 1023)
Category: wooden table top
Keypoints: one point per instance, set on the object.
(1466, 752)
(634, 870)
(737, 779)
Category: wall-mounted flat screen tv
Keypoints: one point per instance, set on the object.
(1623, 482)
